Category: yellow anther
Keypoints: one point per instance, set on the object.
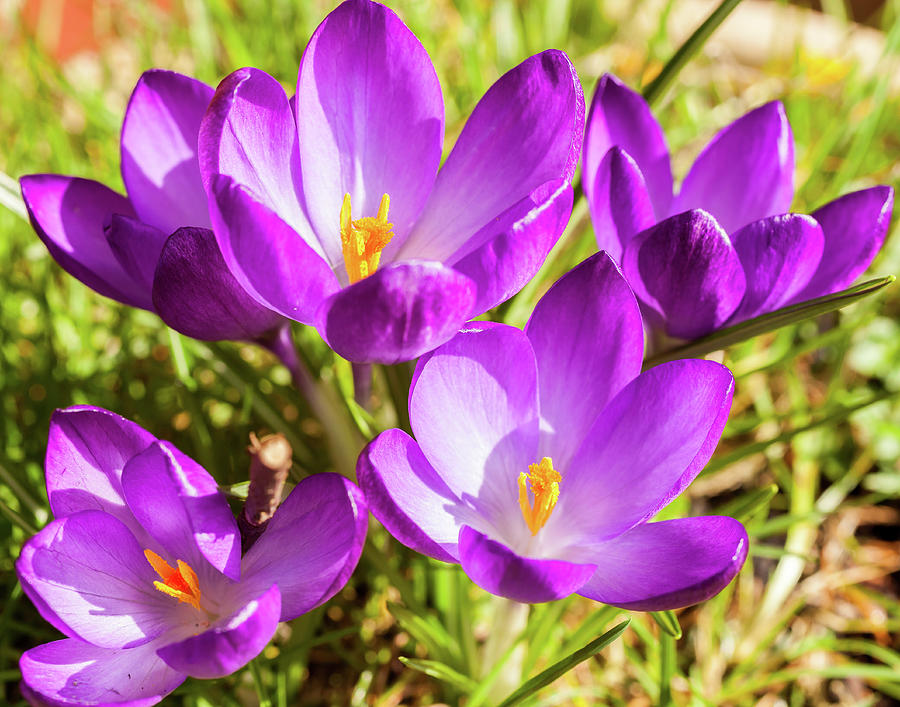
(543, 481)
(363, 240)
(180, 583)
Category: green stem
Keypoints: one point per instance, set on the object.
(509, 621)
(666, 667)
(264, 700)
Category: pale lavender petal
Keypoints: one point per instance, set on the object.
(322, 525)
(687, 272)
(370, 117)
(746, 172)
(525, 131)
(137, 246)
(406, 494)
(180, 505)
(497, 569)
(779, 255)
(70, 214)
(855, 226)
(73, 672)
(91, 573)
(398, 313)
(620, 117)
(196, 294)
(668, 565)
(588, 339)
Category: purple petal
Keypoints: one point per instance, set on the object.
(779, 255)
(225, 648)
(668, 565)
(69, 214)
(504, 255)
(159, 150)
(525, 131)
(406, 494)
(497, 569)
(323, 523)
(746, 172)
(180, 505)
(136, 245)
(195, 293)
(649, 443)
(398, 313)
(370, 117)
(621, 118)
(90, 572)
(588, 339)
(855, 226)
(73, 672)
(266, 256)
(687, 272)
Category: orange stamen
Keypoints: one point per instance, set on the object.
(180, 583)
(543, 481)
(363, 240)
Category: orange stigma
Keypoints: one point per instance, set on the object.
(543, 480)
(180, 582)
(363, 240)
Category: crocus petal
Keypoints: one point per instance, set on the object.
(266, 256)
(180, 505)
(855, 226)
(746, 171)
(588, 339)
(646, 446)
(90, 572)
(322, 525)
(687, 272)
(73, 672)
(196, 294)
(137, 246)
(779, 255)
(524, 132)
(159, 150)
(69, 214)
(406, 494)
(223, 649)
(621, 118)
(474, 411)
(370, 119)
(398, 313)
(668, 565)
(504, 255)
(497, 569)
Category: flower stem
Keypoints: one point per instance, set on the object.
(264, 700)
(510, 620)
(362, 384)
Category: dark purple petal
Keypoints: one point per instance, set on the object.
(668, 565)
(497, 569)
(779, 255)
(687, 272)
(855, 226)
(159, 150)
(69, 214)
(312, 544)
(370, 117)
(398, 313)
(621, 118)
(266, 256)
(180, 506)
(232, 644)
(196, 294)
(91, 573)
(406, 494)
(73, 672)
(136, 245)
(525, 131)
(588, 339)
(746, 172)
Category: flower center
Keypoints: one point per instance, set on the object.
(364, 239)
(179, 582)
(543, 481)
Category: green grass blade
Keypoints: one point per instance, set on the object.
(668, 622)
(441, 672)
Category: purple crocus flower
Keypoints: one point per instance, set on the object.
(142, 569)
(724, 249)
(153, 249)
(539, 456)
(330, 209)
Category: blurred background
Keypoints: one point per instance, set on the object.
(809, 460)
